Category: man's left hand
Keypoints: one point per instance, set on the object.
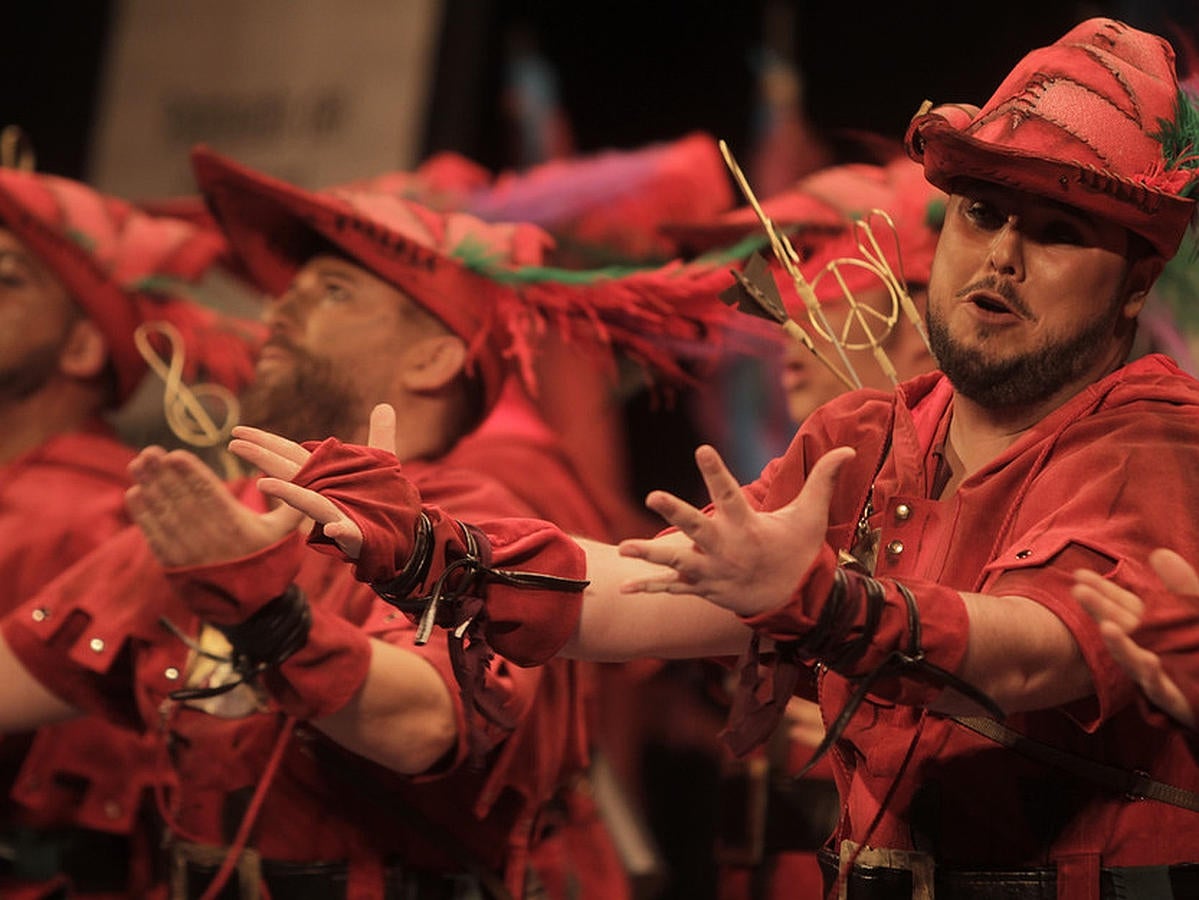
(1120, 613)
(738, 557)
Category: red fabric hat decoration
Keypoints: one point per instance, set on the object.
(613, 204)
(606, 206)
(821, 207)
(123, 268)
(1096, 121)
(445, 182)
(482, 280)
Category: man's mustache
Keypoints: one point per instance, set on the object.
(1004, 289)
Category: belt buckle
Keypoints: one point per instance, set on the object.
(248, 869)
(919, 864)
(1138, 785)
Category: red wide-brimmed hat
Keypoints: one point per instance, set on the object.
(1095, 120)
(482, 280)
(125, 268)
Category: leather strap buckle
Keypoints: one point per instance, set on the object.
(919, 864)
(185, 856)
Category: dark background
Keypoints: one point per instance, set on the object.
(629, 72)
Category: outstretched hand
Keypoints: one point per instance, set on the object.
(280, 459)
(190, 518)
(1119, 612)
(739, 558)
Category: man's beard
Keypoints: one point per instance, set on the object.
(25, 377)
(1025, 379)
(309, 403)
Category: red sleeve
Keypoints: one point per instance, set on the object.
(1119, 484)
(78, 634)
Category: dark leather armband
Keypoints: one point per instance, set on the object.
(457, 580)
(397, 590)
(463, 577)
(868, 630)
(264, 641)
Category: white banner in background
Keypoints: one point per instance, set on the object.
(314, 91)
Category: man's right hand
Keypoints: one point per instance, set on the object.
(359, 496)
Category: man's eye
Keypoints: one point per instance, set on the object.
(336, 293)
(983, 214)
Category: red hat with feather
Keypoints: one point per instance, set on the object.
(1096, 120)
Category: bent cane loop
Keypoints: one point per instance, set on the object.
(788, 258)
(186, 416)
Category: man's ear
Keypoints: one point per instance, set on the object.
(1141, 277)
(84, 354)
(433, 362)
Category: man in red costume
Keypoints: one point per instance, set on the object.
(79, 272)
(919, 550)
(377, 299)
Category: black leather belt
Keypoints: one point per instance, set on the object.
(1124, 883)
(327, 881)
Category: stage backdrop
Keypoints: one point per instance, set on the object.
(314, 91)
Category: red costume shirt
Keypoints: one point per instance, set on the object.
(85, 640)
(1098, 483)
(57, 503)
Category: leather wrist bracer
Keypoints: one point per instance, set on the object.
(264, 641)
(445, 583)
(904, 642)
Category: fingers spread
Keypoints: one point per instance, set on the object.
(1107, 602)
(682, 566)
(142, 465)
(1146, 669)
(682, 515)
(283, 518)
(667, 583)
(822, 480)
(310, 503)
